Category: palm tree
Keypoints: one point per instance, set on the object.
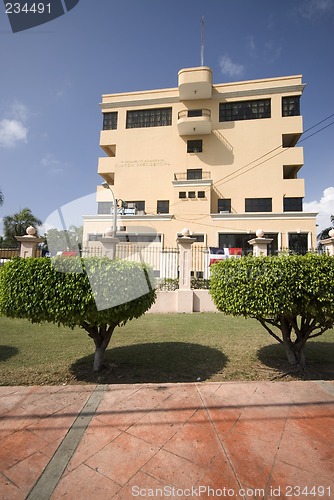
(1, 198)
(323, 235)
(17, 224)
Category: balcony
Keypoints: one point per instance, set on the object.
(107, 141)
(106, 170)
(294, 188)
(292, 129)
(195, 83)
(193, 177)
(194, 122)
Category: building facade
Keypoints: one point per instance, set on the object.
(220, 159)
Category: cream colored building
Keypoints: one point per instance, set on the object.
(220, 159)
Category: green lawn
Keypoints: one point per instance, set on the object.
(154, 348)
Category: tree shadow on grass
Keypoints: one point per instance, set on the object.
(319, 359)
(152, 363)
(7, 351)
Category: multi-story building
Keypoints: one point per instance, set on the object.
(220, 159)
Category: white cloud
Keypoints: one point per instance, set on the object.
(325, 208)
(230, 68)
(11, 132)
(53, 165)
(19, 111)
(12, 128)
(314, 8)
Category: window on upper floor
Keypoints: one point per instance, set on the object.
(163, 207)
(141, 118)
(244, 110)
(194, 173)
(182, 194)
(110, 120)
(293, 204)
(138, 206)
(104, 207)
(291, 106)
(191, 194)
(195, 146)
(224, 205)
(200, 194)
(258, 205)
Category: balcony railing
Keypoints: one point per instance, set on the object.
(184, 176)
(192, 113)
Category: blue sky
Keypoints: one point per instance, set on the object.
(53, 76)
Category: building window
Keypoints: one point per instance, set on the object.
(182, 194)
(195, 146)
(163, 207)
(104, 207)
(135, 205)
(110, 121)
(298, 243)
(141, 118)
(258, 205)
(240, 240)
(191, 194)
(201, 194)
(224, 205)
(244, 110)
(94, 237)
(194, 173)
(291, 106)
(292, 204)
(139, 238)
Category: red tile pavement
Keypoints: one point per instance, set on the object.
(229, 440)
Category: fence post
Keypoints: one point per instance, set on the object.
(260, 244)
(329, 243)
(185, 294)
(109, 244)
(29, 242)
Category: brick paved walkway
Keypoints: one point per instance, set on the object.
(207, 440)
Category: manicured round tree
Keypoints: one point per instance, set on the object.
(291, 296)
(96, 294)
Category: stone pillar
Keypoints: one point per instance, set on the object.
(185, 293)
(109, 243)
(29, 242)
(260, 244)
(329, 243)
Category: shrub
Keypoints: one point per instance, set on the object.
(293, 294)
(107, 293)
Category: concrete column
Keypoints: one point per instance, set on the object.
(109, 243)
(329, 243)
(29, 242)
(185, 294)
(260, 244)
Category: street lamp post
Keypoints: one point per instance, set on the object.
(109, 240)
(114, 222)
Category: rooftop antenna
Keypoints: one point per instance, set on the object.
(202, 44)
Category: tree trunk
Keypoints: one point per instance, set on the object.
(101, 334)
(295, 355)
(98, 358)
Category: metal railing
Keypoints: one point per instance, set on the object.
(194, 113)
(184, 176)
